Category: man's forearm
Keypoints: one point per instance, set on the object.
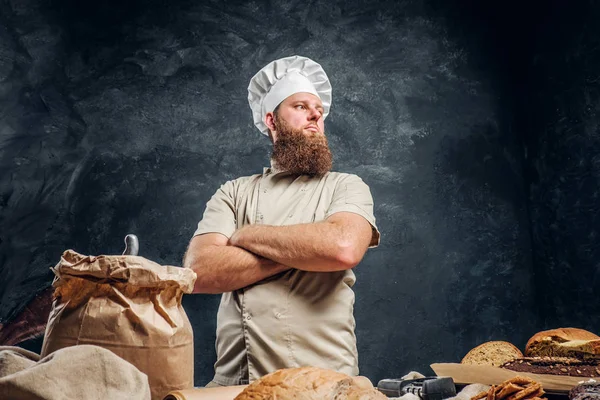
(320, 246)
(226, 268)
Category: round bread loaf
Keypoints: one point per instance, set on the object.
(546, 343)
(310, 383)
(494, 353)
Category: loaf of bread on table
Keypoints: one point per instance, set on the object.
(565, 366)
(564, 342)
(494, 353)
(310, 383)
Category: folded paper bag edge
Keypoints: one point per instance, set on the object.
(134, 270)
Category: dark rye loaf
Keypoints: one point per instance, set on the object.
(555, 366)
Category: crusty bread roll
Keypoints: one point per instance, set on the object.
(493, 353)
(564, 342)
(310, 383)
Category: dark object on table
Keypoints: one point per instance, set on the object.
(588, 390)
(428, 388)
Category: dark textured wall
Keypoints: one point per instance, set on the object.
(119, 117)
(561, 121)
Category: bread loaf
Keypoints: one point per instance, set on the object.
(310, 383)
(493, 353)
(555, 366)
(564, 342)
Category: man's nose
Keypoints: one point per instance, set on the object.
(314, 114)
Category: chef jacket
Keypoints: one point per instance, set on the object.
(296, 318)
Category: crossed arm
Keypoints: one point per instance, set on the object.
(256, 252)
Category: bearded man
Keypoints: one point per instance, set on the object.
(280, 246)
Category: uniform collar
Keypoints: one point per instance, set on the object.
(273, 169)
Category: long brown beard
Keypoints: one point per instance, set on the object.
(298, 153)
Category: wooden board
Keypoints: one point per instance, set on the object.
(488, 375)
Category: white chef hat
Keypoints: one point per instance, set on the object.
(282, 78)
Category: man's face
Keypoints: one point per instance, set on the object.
(302, 111)
(300, 145)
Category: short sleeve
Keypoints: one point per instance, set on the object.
(219, 215)
(353, 195)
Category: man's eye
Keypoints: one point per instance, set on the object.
(300, 106)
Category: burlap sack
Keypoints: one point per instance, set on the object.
(129, 305)
(73, 373)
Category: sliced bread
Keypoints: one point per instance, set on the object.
(494, 353)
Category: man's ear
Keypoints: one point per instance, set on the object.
(270, 122)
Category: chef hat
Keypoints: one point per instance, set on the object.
(282, 78)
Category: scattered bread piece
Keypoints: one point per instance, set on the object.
(517, 388)
(509, 389)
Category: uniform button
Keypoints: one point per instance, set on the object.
(278, 315)
(265, 191)
(248, 318)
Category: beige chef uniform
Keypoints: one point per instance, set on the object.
(296, 318)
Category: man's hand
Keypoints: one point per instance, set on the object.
(234, 240)
(222, 267)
